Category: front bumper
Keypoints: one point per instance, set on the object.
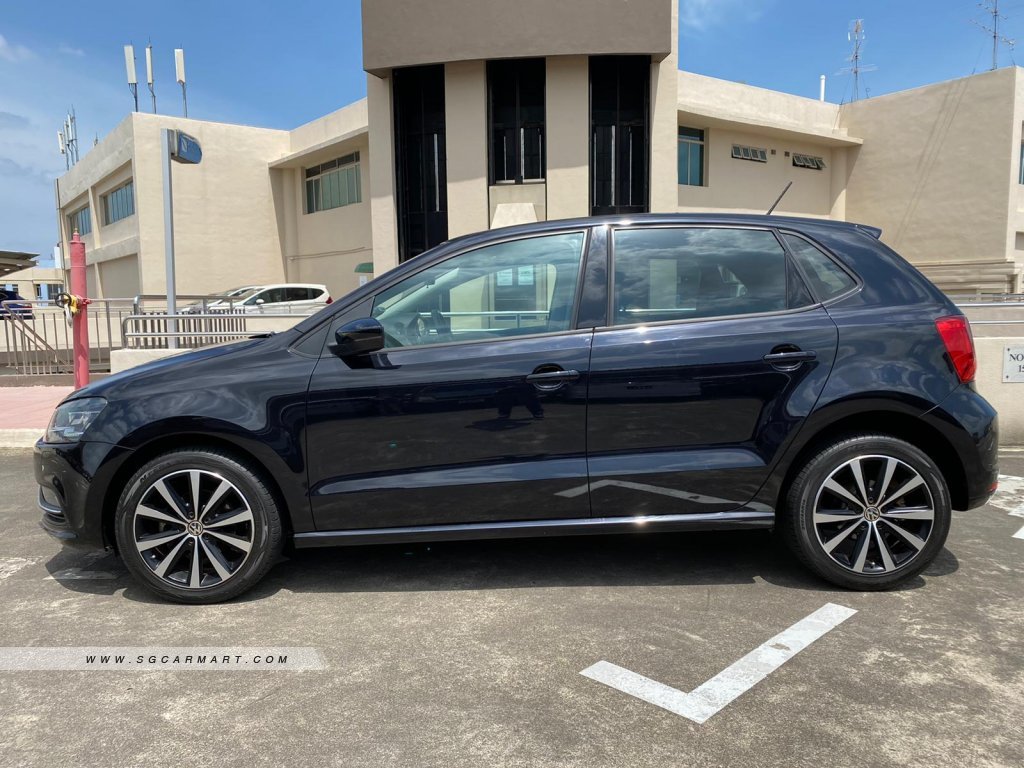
(73, 480)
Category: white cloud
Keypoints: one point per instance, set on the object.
(70, 50)
(701, 15)
(13, 53)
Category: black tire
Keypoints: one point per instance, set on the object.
(238, 543)
(898, 525)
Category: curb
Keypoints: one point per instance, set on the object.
(20, 438)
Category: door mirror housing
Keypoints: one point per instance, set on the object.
(260, 302)
(359, 337)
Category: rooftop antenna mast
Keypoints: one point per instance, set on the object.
(67, 139)
(129, 66)
(149, 73)
(856, 36)
(179, 74)
(991, 7)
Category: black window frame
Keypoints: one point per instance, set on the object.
(518, 70)
(691, 141)
(793, 272)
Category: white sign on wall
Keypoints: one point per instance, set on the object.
(1013, 364)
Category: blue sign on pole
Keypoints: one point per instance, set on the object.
(186, 149)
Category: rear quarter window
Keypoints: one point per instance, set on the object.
(827, 278)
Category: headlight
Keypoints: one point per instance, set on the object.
(71, 419)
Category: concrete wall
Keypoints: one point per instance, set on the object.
(751, 187)
(225, 225)
(1006, 398)
(465, 115)
(567, 108)
(383, 207)
(935, 173)
(397, 34)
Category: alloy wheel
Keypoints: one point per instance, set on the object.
(873, 514)
(193, 528)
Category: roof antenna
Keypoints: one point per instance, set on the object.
(778, 199)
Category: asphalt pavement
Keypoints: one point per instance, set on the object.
(471, 653)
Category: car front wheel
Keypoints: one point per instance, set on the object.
(198, 526)
(868, 512)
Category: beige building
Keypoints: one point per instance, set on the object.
(481, 114)
(20, 275)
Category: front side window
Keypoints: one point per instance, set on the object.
(516, 100)
(697, 272)
(502, 290)
(333, 184)
(691, 157)
(119, 204)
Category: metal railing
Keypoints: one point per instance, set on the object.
(36, 339)
(153, 330)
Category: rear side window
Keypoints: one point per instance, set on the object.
(697, 272)
(826, 277)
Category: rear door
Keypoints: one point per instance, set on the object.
(714, 353)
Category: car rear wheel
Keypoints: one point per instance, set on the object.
(198, 526)
(868, 512)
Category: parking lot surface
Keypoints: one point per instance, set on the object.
(470, 654)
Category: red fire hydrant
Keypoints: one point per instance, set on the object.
(75, 304)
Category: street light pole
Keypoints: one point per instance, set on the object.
(167, 136)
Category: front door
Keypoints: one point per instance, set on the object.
(476, 409)
(714, 354)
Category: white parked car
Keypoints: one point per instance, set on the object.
(298, 298)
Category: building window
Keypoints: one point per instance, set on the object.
(1021, 177)
(516, 109)
(619, 134)
(333, 184)
(47, 291)
(756, 154)
(807, 161)
(691, 157)
(81, 221)
(119, 204)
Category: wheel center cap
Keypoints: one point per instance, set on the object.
(194, 527)
(871, 514)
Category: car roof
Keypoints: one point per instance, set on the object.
(625, 220)
(289, 285)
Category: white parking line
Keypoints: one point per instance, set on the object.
(1010, 498)
(11, 565)
(82, 572)
(734, 680)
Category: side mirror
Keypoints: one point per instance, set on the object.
(359, 337)
(260, 302)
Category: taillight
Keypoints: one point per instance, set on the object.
(329, 299)
(956, 335)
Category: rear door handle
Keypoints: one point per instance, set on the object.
(790, 358)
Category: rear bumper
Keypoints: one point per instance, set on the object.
(971, 425)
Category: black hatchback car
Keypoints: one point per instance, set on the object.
(650, 373)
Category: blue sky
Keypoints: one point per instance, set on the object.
(252, 63)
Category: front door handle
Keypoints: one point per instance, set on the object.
(552, 377)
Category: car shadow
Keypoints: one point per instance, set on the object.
(667, 559)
